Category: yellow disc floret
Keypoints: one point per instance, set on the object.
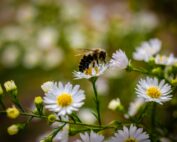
(131, 140)
(64, 99)
(89, 70)
(153, 92)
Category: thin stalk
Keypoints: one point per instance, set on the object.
(153, 115)
(2, 104)
(96, 101)
(62, 121)
(143, 112)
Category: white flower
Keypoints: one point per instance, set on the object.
(165, 60)
(135, 106)
(132, 134)
(63, 135)
(150, 89)
(91, 72)
(63, 99)
(147, 50)
(47, 86)
(86, 116)
(119, 59)
(92, 137)
(114, 104)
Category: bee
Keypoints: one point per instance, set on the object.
(91, 58)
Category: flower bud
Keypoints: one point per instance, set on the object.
(51, 118)
(151, 61)
(38, 100)
(115, 104)
(12, 112)
(157, 71)
(10, 86)
(1, 90)
(13, 129)
(174, 82)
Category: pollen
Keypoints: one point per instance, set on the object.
(131, 140)
(64, 100)
(89, 70)
(153, 92)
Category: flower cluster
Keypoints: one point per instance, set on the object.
(64, 101)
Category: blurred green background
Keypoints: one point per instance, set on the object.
(39, 40)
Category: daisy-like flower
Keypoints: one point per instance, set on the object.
(92, 137)
(132, 134)
(91, 72)
(147, 50)
(63, 99)
(165, 60)
(150, 89)
(119, 59)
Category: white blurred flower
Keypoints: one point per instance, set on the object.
(119, 59)
(151, 90)
(147, 50)
(114, 104)
(98, 17)
(76, 36)
(135, 106)
(32, 57)
(132, 134)
(71, 10)
(165, 60)
(25, 13)
(86, 116)
(52, 58)
(47, 38)
(10, 56)
(145, 21)
(64, 99)
(92, 137)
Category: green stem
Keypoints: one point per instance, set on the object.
(143, 112)
(57, 130)
(153, 114)
(17, 103)
(62, 121)
(143, 71)
(96, 101)
(2, 104)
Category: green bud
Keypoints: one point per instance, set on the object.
(157, 71)
(151, 61)
(1, 90)
(38, 100)
(174, 82)
(13, 129)
(51, 118)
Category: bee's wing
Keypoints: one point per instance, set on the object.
(81, 51)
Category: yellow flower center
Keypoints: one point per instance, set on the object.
(89, 70)
(64, 100)
(153, 92)
(131, 140)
